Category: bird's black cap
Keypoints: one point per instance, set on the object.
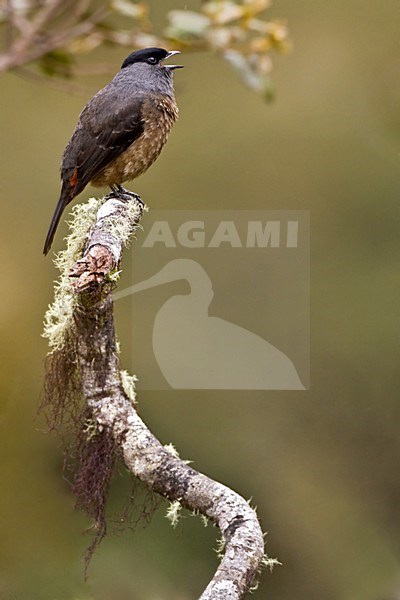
(152, 56)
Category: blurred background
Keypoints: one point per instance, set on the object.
(322, 466)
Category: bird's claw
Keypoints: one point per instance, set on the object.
(118, 191)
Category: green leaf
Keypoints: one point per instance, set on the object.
(57, 64)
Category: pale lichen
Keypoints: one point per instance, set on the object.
(220, 549)
(270, 563)
(196, 513)
(204, 520)
(91, 429)
(58, 316)
(173, 513)
(122, 229)
(172, 450)
(114, 276)
(128, 383)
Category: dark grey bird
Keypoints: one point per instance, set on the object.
(121, 131)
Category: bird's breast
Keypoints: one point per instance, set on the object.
(158, 116)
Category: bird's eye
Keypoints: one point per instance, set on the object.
(152, 60)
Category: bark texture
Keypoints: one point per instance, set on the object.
(100, 376)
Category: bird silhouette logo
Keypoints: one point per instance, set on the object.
(197, 351)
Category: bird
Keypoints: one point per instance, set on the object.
(121, 131)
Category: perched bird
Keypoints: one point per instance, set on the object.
(121, 131)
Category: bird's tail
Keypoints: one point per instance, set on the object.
(61, 204)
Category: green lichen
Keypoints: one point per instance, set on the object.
(204, 520)
(174, 513)
(172, 450)
(266, 562)
(113, 276)
(128, 383)
(91, 451)
(220, 549)
(270, 563)
(90, 429)
(121, 229)
(58, 316)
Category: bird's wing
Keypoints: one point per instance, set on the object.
(107, 127)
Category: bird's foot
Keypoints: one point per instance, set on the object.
(118, 191)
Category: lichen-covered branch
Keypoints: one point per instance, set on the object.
(111, 414)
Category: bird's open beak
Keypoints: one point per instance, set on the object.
(172, 53)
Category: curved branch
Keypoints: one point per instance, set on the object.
(166, 474)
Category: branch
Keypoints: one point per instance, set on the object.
(111, 406)
(53, 33)
(37, 38)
